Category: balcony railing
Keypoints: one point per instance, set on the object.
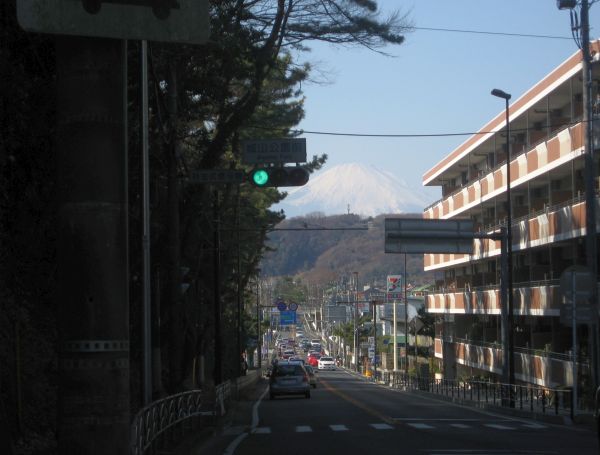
(514, 156)
(565, 357)
(529, 397)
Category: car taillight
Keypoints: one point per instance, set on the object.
(305, 378)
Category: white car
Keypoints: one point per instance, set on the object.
(326, 363)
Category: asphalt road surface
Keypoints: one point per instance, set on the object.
(347, 415)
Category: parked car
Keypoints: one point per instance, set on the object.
(289, 379)
(312, 377)
(326, 363)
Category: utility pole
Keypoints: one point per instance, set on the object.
(375, 338)
(405, 319)
(590, 175)
(218, 351)
(356, 338)
(258, 343)
(93, 261)
(583, 42)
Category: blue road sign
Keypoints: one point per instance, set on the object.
(287, 318)
(281, 306)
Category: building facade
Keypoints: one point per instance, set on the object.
(548, 235)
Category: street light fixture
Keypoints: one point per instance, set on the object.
(509, 370)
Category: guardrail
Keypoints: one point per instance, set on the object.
(524, 397)
(152, 422)
(155, 419)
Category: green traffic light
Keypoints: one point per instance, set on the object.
(260, 177)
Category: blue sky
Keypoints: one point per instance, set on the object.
(437, 82)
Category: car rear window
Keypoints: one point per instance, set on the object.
(327, 358)
(289, 370)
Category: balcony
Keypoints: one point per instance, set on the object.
(545, 368)
(524, 166)
(540, 298)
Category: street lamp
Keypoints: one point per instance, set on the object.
(509, 369)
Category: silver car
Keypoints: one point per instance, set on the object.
(289, 379)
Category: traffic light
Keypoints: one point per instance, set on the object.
(279, 176)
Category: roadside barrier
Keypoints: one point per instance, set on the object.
(523, 397)
(163, 421)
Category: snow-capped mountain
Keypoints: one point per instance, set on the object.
(356, 188)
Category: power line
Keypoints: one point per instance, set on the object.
(297, 132)
(482, 32)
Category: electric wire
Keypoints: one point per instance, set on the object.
(483, 32)
(298, 132)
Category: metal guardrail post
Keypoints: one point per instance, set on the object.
(543, 401)
(531, 398)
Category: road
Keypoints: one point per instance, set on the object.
(347, 415)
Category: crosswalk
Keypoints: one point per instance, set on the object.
(508, 425)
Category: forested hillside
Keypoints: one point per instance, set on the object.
(320, 248)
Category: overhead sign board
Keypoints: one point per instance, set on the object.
(179, 21)
(287, 317)
(276, 151)
(418, 235)
(216, 176)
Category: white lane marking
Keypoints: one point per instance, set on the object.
(498, 427)
(230, 450)
(535, 426)
(303, 429)
(381, 426)
(233, 445)
(338, 427)
(234, 431)
(420, 426)
(255, 408)
(460, 425)
(414, 419)
(262, 430)
(488, 452)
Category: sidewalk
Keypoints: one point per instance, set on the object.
(215, 439)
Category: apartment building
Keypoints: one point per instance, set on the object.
(548, 235)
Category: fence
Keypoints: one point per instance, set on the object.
(524, 397)
(165, 416)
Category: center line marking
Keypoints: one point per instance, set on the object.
(303, 429)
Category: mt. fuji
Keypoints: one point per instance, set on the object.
(354, 188)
